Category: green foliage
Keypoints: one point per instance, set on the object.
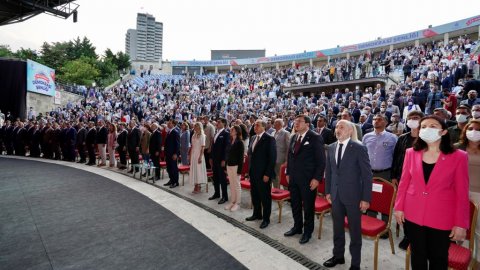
(5, 51)
(79, 71)
(75, 61)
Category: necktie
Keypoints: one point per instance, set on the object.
(339, 155)
(297, 145)
(257, 138)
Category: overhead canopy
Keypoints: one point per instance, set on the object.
(13, 11)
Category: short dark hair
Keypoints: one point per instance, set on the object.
(415, 113)
(305, 118)
(446, 146)
(223, 120)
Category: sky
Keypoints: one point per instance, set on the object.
(193, 27)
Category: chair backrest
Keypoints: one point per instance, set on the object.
(283, 176)
(245, 167)
(383, 196)
(321, 187)
(473, 224)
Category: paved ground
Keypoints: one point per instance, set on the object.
(247, 249)
(56, 217)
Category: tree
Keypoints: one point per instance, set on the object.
(5, 51)
(123, 61)
(79, 71)
(25, 54)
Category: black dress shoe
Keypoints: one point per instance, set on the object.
(213, 197)
(354, 268)
(168, 183)
(252, 218)
(174, 185)
(332, 262)
(292, 232)
(404, 243)
(305, 238)
(264, 224)
(222, 201)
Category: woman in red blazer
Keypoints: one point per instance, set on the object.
(432, 197)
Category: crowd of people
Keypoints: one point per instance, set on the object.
(245, 123)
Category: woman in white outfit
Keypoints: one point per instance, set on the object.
(198, 169)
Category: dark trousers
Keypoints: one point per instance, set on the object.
(429, 247)
(261, 198)
(219, 180)
(207, 158)
(9, 148)
(122, 154)
(91, 154)
(156, 164)
(134, 158)
(352, 212)
(301, 195)
(81, 152)
(35, 150)
(172, 169)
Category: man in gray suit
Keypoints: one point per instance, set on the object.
(282, 139)
(348, 188)
(209, 131)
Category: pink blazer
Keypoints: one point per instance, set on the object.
(442, 203)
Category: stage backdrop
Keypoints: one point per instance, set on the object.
(40, 78)
(13, 92)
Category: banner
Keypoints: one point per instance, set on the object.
(408, 37)
(58, 98)
(40, 78)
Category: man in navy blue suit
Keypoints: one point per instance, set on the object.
(262, 154)
(218, 156)
(172, 150)
(306, 164)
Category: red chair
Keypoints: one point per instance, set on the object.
(382, 201)
(183, 169)
(163, 167)
(459, 257)
(322, 206)
(281, 195)
(244, 179)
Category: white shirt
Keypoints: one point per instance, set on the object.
(257, 139)
(218, 133)
(345, 143)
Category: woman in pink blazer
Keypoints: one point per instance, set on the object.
(432, 197)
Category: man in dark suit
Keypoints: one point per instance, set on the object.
(35, 140)
(122, 145)
(133, 144)
(365, 127)
(70, 140)
(305, 167)
(90, 142)
(348, 188)
(218, 156)
(154, 149)
(324, 131)
(81, 142)
(172, 151)
(262, 155)
(9, 138)
(101, 140)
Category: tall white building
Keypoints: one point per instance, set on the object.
(146, 42)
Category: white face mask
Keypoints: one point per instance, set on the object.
(430, 135)
(461, 118)
(476, 114)
(413, 124)
(473, 135)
